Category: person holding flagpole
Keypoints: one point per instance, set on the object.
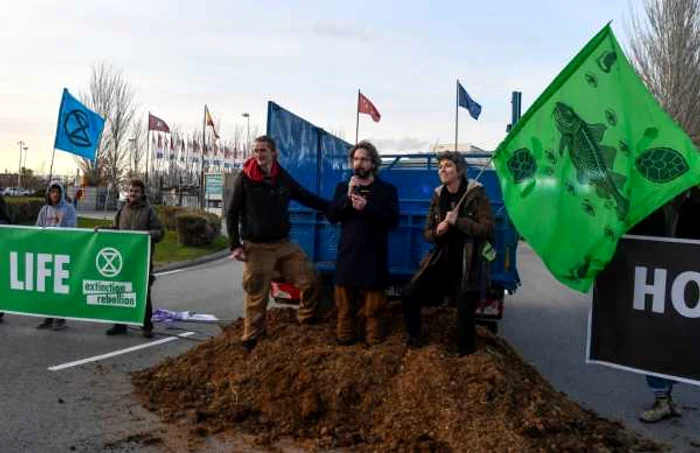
(56, 213)
(461, 225)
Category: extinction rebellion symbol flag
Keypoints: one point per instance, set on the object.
(79, 128)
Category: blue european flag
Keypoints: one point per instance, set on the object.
(79, 128)
(464, 100)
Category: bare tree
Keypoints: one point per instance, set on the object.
(110, 95)
(138, 146)
(665, 47)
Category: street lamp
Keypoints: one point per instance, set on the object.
(22, 147)
(132, 161)
(246, 115)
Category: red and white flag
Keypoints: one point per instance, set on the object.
(364, 105)
(157, 124)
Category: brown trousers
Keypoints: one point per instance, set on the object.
(369, 304)
(263, 259)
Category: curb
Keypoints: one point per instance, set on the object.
(195, 262)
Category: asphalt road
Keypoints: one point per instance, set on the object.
(89, 408)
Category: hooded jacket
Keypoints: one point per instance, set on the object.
(260, 204)
(61, 214)
(475, 226)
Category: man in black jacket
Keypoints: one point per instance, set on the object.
(368, 208)
(260, 206)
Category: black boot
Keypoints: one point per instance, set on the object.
(249, 345)
(46, 324)
(414, 342)
(117, 329)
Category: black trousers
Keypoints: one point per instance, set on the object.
(430, 289)
(147, 322)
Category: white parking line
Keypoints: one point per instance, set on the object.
(176, 271)
(116, 353)
(189, 268)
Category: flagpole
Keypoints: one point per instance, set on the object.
(357, 120)
(456, 114)
(148, 148)
(51, 168)
(204, 144)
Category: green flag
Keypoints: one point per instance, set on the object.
(593, 156)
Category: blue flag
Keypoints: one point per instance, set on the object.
(464, 100)
(79, 128)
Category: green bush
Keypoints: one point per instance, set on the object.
(23, 210)
(168, 214)
(214, 222)
(195, 230)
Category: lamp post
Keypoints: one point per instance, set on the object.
(135, 170)
(246, 115)
(22, 147)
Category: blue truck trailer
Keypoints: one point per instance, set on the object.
(319, 161)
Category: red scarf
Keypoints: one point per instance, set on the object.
(253, 171)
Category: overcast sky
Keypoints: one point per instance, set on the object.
(310, 57)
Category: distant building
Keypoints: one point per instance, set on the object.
(463, 147)
(467, 148)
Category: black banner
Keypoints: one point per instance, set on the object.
(646, 309)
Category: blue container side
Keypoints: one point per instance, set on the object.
(319, 161)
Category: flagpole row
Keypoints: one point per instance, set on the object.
(204, 144)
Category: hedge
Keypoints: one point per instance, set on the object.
(168, 214)
(195, 230)
(23, 210)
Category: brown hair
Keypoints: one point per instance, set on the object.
(456, 158)
(138, 183)
(267, 139)
(371, 149)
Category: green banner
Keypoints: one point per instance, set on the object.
(74, 273)
(593, 156)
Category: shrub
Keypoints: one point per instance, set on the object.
(24, 211)
(168, 214)
(215, 223)
(195, 230)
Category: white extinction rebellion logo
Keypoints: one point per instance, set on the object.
(109, 262)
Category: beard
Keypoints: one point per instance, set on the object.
(361, 173)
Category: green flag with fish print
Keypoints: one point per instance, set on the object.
(593, 156)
